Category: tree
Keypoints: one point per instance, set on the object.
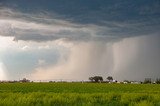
(96, 79)
(147, 81)
(24, 80)
(91, 79)
(158, 81)
(110, 78)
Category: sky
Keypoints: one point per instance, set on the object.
(76, 39)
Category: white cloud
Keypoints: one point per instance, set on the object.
(44, 47)
(25, 48)
(6, 42)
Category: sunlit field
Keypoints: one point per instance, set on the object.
(79, 94)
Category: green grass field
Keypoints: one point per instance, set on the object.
(78, 94)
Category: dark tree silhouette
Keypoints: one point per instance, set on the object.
(96, 79)
(158, 81)
(110, 78)
(24, 80)
(91, 79)
(147, 81)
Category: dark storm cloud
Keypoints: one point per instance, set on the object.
(118, 18)
(91, 11)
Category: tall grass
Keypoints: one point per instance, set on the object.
(78, 94)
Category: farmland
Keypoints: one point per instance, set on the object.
(79, 94)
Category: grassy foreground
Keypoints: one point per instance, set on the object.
(78, 94)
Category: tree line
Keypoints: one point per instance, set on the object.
(100, 79)
(110, 79)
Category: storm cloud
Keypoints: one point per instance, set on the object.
(83, 20)
(80, 38)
